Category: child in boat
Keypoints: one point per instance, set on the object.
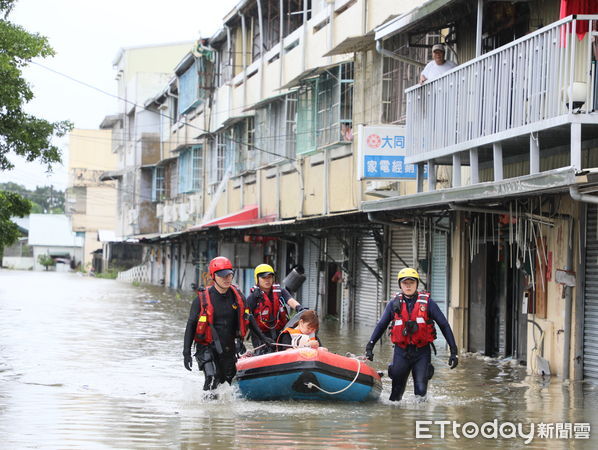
(303, 334)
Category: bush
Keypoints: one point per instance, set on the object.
(46, 261)
(110, 273)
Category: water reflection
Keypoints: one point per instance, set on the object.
(92, 363)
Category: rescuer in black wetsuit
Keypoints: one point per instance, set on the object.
(218, 322)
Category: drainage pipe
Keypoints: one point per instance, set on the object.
(568, 306)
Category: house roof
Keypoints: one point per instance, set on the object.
(53, 230)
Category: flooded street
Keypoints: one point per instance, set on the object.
(87, 363)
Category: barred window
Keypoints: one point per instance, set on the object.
(325, 109)
(399, 75)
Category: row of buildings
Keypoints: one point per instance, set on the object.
(297, 135)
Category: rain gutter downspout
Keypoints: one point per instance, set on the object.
(304, 38)
(568, 306)
(230, 85)
(244, 56)
(380, 49)
(330, 27)
(585, 198)
(281, 48)
(262, 48)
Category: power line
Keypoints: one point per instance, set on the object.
(157, 112)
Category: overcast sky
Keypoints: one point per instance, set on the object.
(86, 36)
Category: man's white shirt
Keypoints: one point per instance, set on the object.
(433, 70)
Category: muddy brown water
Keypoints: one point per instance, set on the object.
(91, 363)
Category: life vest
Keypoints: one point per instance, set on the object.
(203, 332)
(270, 312)
(295, 336)
(425, 333)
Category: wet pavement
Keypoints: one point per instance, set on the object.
(92, 363)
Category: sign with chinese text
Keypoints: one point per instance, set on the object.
(381, 151)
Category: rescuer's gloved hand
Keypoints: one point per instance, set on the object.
(268, 341)
(453, 360)
(188, 361)
(369, 351)
(299, 308)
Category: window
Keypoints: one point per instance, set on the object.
(189, 169)
(275, 129)
(399, 75)
(158, 188)
(220, 146)
(244, 145)
(194, 83)
(325, 109)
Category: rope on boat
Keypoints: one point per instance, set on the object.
(311, 385)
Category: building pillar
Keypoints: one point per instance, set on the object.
(474, 166)
(498, 164)
(456, 169)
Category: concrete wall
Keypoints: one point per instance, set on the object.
(18, 262)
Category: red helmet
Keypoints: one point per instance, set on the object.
(219, 263)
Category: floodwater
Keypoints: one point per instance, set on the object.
(92, 363)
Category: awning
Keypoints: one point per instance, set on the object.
(235, 120)
(409, 19)
(267, 100)
(246, 216)
(544, 182)
(111, 175)
(353, 44)
(309, 73)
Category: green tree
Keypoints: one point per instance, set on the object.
(21, 133)
(11, 204)
(46, 261)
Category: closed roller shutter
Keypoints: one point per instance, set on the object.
(309, 290)
(590, 331)
(439, 273)
(369, 290)
(335, 250)
(401, 241)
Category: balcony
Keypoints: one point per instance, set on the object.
(534, 93)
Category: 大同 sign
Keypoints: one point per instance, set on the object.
(381, 151)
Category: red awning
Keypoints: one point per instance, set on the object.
(246, 216)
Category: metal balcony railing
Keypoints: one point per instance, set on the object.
(522, 87)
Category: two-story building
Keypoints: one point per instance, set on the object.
(513, 127)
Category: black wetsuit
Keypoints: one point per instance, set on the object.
(412, 359)
(253, 299)
(226, 324)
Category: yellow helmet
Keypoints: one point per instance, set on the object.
(263, 268)
(408, 272)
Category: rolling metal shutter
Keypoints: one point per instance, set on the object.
(309, 290)
(401, 241)
(439, 273)
(590, 328)
(335, 250)
(368, 289)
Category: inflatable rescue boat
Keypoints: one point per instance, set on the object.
(307, 374)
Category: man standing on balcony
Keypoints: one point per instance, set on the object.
(437, 66)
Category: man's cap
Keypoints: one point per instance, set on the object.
(224, 272)
(438, 47)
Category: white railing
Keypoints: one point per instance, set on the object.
(525, 82)
(139, 274)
